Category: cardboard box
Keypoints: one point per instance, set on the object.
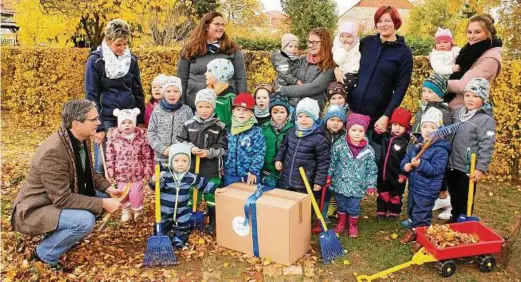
(283, 223)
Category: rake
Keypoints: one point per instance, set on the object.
(438, 135)
(197, 216)
(107, 216)
(329, 244)
(159, 250)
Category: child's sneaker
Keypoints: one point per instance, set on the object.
(407, 223)
(138, 213)
(441, 203)
(125, 215)
(446, 214)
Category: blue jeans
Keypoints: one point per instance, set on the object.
(98, 164)
(349, 205)
(73, 225)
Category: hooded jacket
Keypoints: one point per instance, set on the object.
(384, 76)
(210, 135)
(479, 134)
(122, 93)
(273, 142)
(310, 152)
(246, 152)
(426, 179)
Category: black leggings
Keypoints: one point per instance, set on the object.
(458, 184)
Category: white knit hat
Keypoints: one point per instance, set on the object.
(171, 81)
(349, 28)
(309, 107)
(206, 95)
(160, 79)
(443, 34)
(433, 115)
(130, 114)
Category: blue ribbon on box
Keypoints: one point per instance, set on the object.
(251, 208)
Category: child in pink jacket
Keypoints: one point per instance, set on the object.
(129, 160)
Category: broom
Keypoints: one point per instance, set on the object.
(159, 250)
(438, 135)
(197, 216)
(329, 244)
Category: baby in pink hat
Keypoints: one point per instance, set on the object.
(443, 56)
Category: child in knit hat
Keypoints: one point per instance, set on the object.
(346, 54)
(129, 160)
(206, 136)
(156, 96)
(262, 96)
(274, 132)
(395, 142)
(353, 172)
(334, 118)
(175, 183)
(337, 95)
(433, 90)
(443, 56)
(477, 135)
(218, 73)
(425, 173)
(284, 61)
(304, 146)
(246, 145)
(167, 119)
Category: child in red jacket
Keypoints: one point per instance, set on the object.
(129, 160)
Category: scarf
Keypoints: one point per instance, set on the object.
(355, 149)
(314, 60)
(221, 88)
(170, 107)
(469, 54)
(115, 66)
(303, 132)
(239, 127)
(83, 180)
(213, 47)
(465, 114)
(278, 127)
(261, 113)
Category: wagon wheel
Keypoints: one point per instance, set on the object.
(486, 263)
(446, 268)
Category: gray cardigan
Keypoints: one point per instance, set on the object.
(164, 127)
(315, 83)
(479, 134)
(192, 73)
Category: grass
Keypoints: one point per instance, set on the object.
(497, 205)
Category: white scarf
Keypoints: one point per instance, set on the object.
(115, 66)
(465, 114)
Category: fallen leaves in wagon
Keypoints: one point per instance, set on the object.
(442, 236)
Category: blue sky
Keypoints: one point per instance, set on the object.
(275, 4)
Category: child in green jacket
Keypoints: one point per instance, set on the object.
(218, 72)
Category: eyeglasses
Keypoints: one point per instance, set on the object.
(313, 43)
(92, 119)
(219, 24)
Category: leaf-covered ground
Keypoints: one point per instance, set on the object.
(117, 253)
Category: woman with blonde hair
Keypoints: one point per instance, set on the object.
(208, 41)
(113, 81)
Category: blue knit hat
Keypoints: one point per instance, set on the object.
(222, 69)
(335, 111)
(436, 83)
(278, 100)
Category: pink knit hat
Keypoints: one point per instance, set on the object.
(443, 34)
(359, 119)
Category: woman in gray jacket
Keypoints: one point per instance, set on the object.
(315, 70)
(208, 41)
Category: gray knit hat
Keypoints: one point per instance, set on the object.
(206, 95)
(286, 40)
(480, 87)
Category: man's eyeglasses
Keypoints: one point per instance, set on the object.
(313, 43)
(92, 119)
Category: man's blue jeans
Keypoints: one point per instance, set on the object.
(98, 164)
(73, 225)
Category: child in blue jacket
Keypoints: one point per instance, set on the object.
(175, 183)
(246, 145)
(425, 173)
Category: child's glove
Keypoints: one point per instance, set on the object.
(371, 191)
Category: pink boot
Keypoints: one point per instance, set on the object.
(341, 222)
(317, 229)
(353, 227)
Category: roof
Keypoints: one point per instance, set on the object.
(274, 14)
(399, 4)
(7, 6)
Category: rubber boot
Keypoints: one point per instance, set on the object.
(341, 222)
(353, 226)
(318, 227)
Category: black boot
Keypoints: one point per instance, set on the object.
(59, 267)
(210, 229)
